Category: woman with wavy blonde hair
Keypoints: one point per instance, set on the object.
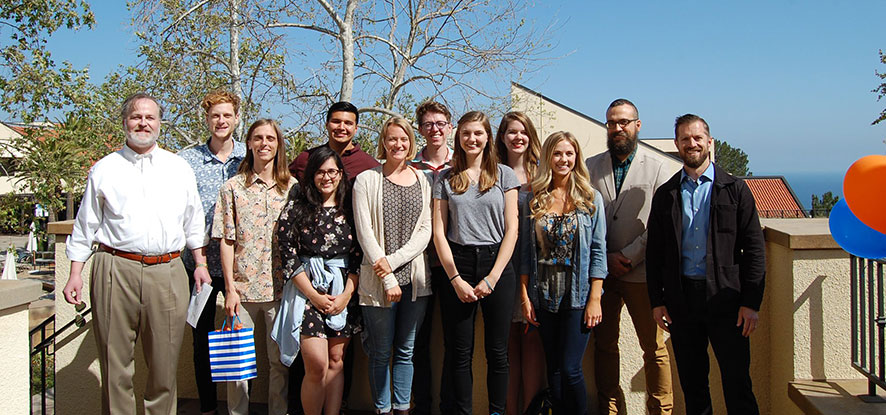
(516, 142)
(563, 264)
(475, 231)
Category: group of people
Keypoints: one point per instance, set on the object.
(335, 245)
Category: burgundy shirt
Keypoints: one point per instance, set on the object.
(356, 161)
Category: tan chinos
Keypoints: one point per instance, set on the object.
(132, 300)
(607, 362)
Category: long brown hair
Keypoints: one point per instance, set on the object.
(530, 158)
(281, 169)
(458, 176)
(578, 187)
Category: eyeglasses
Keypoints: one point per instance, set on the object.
(620, 123)
(331, 173)
(431, 124)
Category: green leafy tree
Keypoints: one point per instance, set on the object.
(190, 48)
(821, 206)
(54, 162)
(732, 159)
(31, 83)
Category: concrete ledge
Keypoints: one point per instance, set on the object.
(799, 233)
(63, 228)
(831, 397)
(14, 293)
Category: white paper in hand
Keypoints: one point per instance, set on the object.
(198, 302)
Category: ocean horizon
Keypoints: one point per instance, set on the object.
(805, 184)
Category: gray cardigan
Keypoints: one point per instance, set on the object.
(369, 223)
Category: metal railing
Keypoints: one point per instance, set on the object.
(868, 323)
(43, 350)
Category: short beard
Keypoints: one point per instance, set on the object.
(694, 163)
(622, 149)
(146, 143)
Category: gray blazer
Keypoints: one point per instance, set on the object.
(628, 212)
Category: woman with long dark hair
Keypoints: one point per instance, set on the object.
(563, 264)
(392, 212)
(319, 251)
(475, 231)
(517, 144)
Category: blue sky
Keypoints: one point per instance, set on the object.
(789, 82)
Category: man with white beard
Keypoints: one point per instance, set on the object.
(140, 207)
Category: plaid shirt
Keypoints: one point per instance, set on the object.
(620, 170)
(431, 171)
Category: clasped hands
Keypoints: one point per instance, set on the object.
(468, 294)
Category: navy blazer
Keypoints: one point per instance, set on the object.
(735, 260)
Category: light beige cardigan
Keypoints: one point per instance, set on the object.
(369, 223)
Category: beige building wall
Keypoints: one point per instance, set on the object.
(15, 296)
(9, 184)
(550, 116)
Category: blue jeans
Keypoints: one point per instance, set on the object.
(387, 329)
(565, 339)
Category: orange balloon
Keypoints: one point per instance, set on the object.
(864, 188)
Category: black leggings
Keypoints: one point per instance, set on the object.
(474, 263)
(206, 390)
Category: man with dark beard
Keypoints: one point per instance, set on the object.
(626, 176)
(705, 271)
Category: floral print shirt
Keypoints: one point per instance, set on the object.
(329, 235)
(246, 212)
(211, 173)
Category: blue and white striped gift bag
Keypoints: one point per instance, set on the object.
(232, 355)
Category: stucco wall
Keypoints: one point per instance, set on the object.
(808, 288)
(804, 334)
(15, 296)
(14, 365)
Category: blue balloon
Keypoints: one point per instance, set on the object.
(853, 235)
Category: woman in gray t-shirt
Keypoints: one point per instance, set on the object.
(475, 231)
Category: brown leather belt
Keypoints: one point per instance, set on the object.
(144, 259)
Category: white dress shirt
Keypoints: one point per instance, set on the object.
(142, 203)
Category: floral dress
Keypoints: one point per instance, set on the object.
(329, 234)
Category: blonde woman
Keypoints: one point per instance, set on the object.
(563, 264)
(517, 144)
(392, 215)
(475, 231)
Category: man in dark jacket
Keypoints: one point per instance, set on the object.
(705, 265)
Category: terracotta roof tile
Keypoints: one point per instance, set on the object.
(774, 197)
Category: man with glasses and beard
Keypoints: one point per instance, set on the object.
(626, 175)
(141, 206)
(705, 271)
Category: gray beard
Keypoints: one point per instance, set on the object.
(132, 138)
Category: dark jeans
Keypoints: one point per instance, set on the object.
(690, 337)
(422, 377)
(474, 263)
(205, 388)
(565, 338)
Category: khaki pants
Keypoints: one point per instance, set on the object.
(607, 365)
(238, 392)
(132, 300)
